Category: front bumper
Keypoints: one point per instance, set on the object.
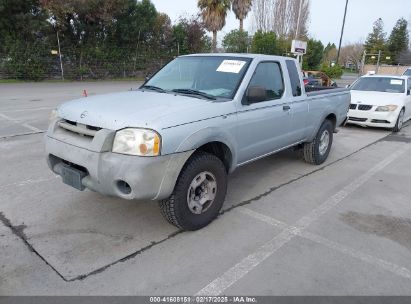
(148, 177)
(371, 118)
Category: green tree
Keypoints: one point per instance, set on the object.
(22, 20)
(399, 39)
(135, 23)
(180, 37)
(214, 13)
(329, 54)
(190, 36)
(332, 72)
(329, 47)
(264, 43)
(376, 40)
(236, 41)
(24, 39)
(98, 38)
(315, 50)
(197, 39)
(162, 38)
(283, 46)
(101, 37)
(241, 8)
(84, 21)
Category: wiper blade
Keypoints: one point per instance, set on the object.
(153, 88)
(194, 92)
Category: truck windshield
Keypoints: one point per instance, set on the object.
(204, 76)
(380, 84)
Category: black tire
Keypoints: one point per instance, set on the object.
(311, 151)
(176, 210)
(400, 121)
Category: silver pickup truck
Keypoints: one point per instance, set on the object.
(176, 138)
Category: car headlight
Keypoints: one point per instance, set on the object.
(53, 115)
(388, 108)
(140, 142)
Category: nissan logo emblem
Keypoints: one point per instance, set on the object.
(84, 114)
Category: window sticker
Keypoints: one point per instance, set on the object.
(396, 82)
(231, 66)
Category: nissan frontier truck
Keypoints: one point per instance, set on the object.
(176, 139)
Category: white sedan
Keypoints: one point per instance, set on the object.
(380, 101)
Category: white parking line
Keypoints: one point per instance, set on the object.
(398, 270)
(26, 125)
(27, 109)
(238, 271)
(31, 127)
(29, 182)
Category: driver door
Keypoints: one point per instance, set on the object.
(263, 126)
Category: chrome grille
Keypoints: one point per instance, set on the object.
(353, 106)
(81, 129)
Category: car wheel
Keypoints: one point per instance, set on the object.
(199, 193)
(400, 121)
(316, 152)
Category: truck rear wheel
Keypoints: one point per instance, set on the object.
(316, 152)
(199, 193)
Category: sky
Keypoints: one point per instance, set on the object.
(325, 20)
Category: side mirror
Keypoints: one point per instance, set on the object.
(256, 94)
(347, 86)
(409, 92)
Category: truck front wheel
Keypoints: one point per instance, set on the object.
(316, 152)
(199, 193)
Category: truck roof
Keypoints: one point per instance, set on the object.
(243, 55)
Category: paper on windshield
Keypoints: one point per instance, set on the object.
(231, 66)
(396, 82)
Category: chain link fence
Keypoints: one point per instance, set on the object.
(83, 65)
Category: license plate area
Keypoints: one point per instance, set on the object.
(73, 176)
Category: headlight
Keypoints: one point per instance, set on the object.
(53, 115)
(141, 142)
(389, 108)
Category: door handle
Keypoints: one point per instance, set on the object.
(286, 108)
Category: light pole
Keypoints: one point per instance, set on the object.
(297, 32)
(298, 20)
(55, 26)
(342, 31)
(61, 61)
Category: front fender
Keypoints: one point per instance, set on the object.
(207, 135)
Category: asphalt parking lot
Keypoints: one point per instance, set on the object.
(287, 228)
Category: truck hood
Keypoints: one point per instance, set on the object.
(138, 109)
(376, 98)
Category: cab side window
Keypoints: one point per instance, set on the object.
(269, 76)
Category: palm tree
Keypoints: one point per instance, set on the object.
(241, 8)
(214, 13)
